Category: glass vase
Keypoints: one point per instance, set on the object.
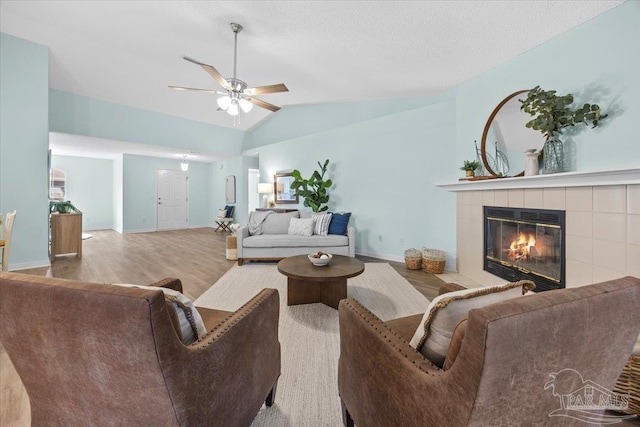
(553, 156)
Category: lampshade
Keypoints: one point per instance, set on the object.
(184, 166)
(245, 105)
(265, 188)
(233, 108)
(224, 102)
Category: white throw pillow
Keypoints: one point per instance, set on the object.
(191, 324)
(433, 336)
(301, 226)
(321, 223)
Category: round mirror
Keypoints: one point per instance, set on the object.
(505, 138)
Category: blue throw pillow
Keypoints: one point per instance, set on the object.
(339, 223)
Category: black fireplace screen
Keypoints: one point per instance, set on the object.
(525, 244)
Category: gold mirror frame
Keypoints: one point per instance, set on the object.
(483, 144)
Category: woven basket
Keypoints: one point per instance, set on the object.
(629, 384)
(433, 260)
(413, 259)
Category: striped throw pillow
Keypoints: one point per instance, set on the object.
(321, 223)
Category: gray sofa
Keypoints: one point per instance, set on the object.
(275, 243)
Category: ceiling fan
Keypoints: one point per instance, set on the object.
(236, 94)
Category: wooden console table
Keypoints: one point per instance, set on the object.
(66, 234)
(277, 210)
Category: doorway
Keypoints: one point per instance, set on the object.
(253, 202)
(172, 200)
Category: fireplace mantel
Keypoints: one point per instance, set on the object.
(566, 179)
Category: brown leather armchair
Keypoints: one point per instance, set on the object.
(501, 375)
(91, 354)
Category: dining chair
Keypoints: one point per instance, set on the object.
(5, 243)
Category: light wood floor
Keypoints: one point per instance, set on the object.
(195, 256)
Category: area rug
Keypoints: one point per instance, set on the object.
(307, 392)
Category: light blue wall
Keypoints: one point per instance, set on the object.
(384, 171)
(89, 187)
(238, 167)
(295, 121)
(80, 115)
(117, 194)
(139, 192)
(426, 146)
(598, 62)
(387, 155)
(24, 145)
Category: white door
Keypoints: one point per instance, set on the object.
(172, 199)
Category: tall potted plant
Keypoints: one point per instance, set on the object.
(314, 189)
(551, 114)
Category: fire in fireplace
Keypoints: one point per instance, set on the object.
(524, 244)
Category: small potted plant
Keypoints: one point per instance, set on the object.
(62, 207)
(470, 167)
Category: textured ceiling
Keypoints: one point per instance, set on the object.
(128, 52)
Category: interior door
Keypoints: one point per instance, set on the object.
(172, 203)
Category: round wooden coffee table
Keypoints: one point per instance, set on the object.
(307, 283)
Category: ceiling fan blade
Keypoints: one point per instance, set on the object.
(261, 103)
(280, 87)
(212, 72)
(196, 89)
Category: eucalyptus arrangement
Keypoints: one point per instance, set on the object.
(551, 114)
(314, 189)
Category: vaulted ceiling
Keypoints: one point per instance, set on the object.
(128, 52)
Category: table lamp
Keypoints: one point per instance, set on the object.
(266, 189)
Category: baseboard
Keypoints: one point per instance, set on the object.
(199, 226)
(28, 265)
(141, 230)
(99, 228)
(450, 265)
(387, 257)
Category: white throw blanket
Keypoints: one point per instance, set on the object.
(256, 219)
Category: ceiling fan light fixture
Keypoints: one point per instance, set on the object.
(245, 105)
(224, 102)
(237, 95)
(233, 108)
(184, 165)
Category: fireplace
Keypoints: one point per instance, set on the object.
(525, 244)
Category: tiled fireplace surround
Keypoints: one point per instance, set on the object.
(602, 214)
